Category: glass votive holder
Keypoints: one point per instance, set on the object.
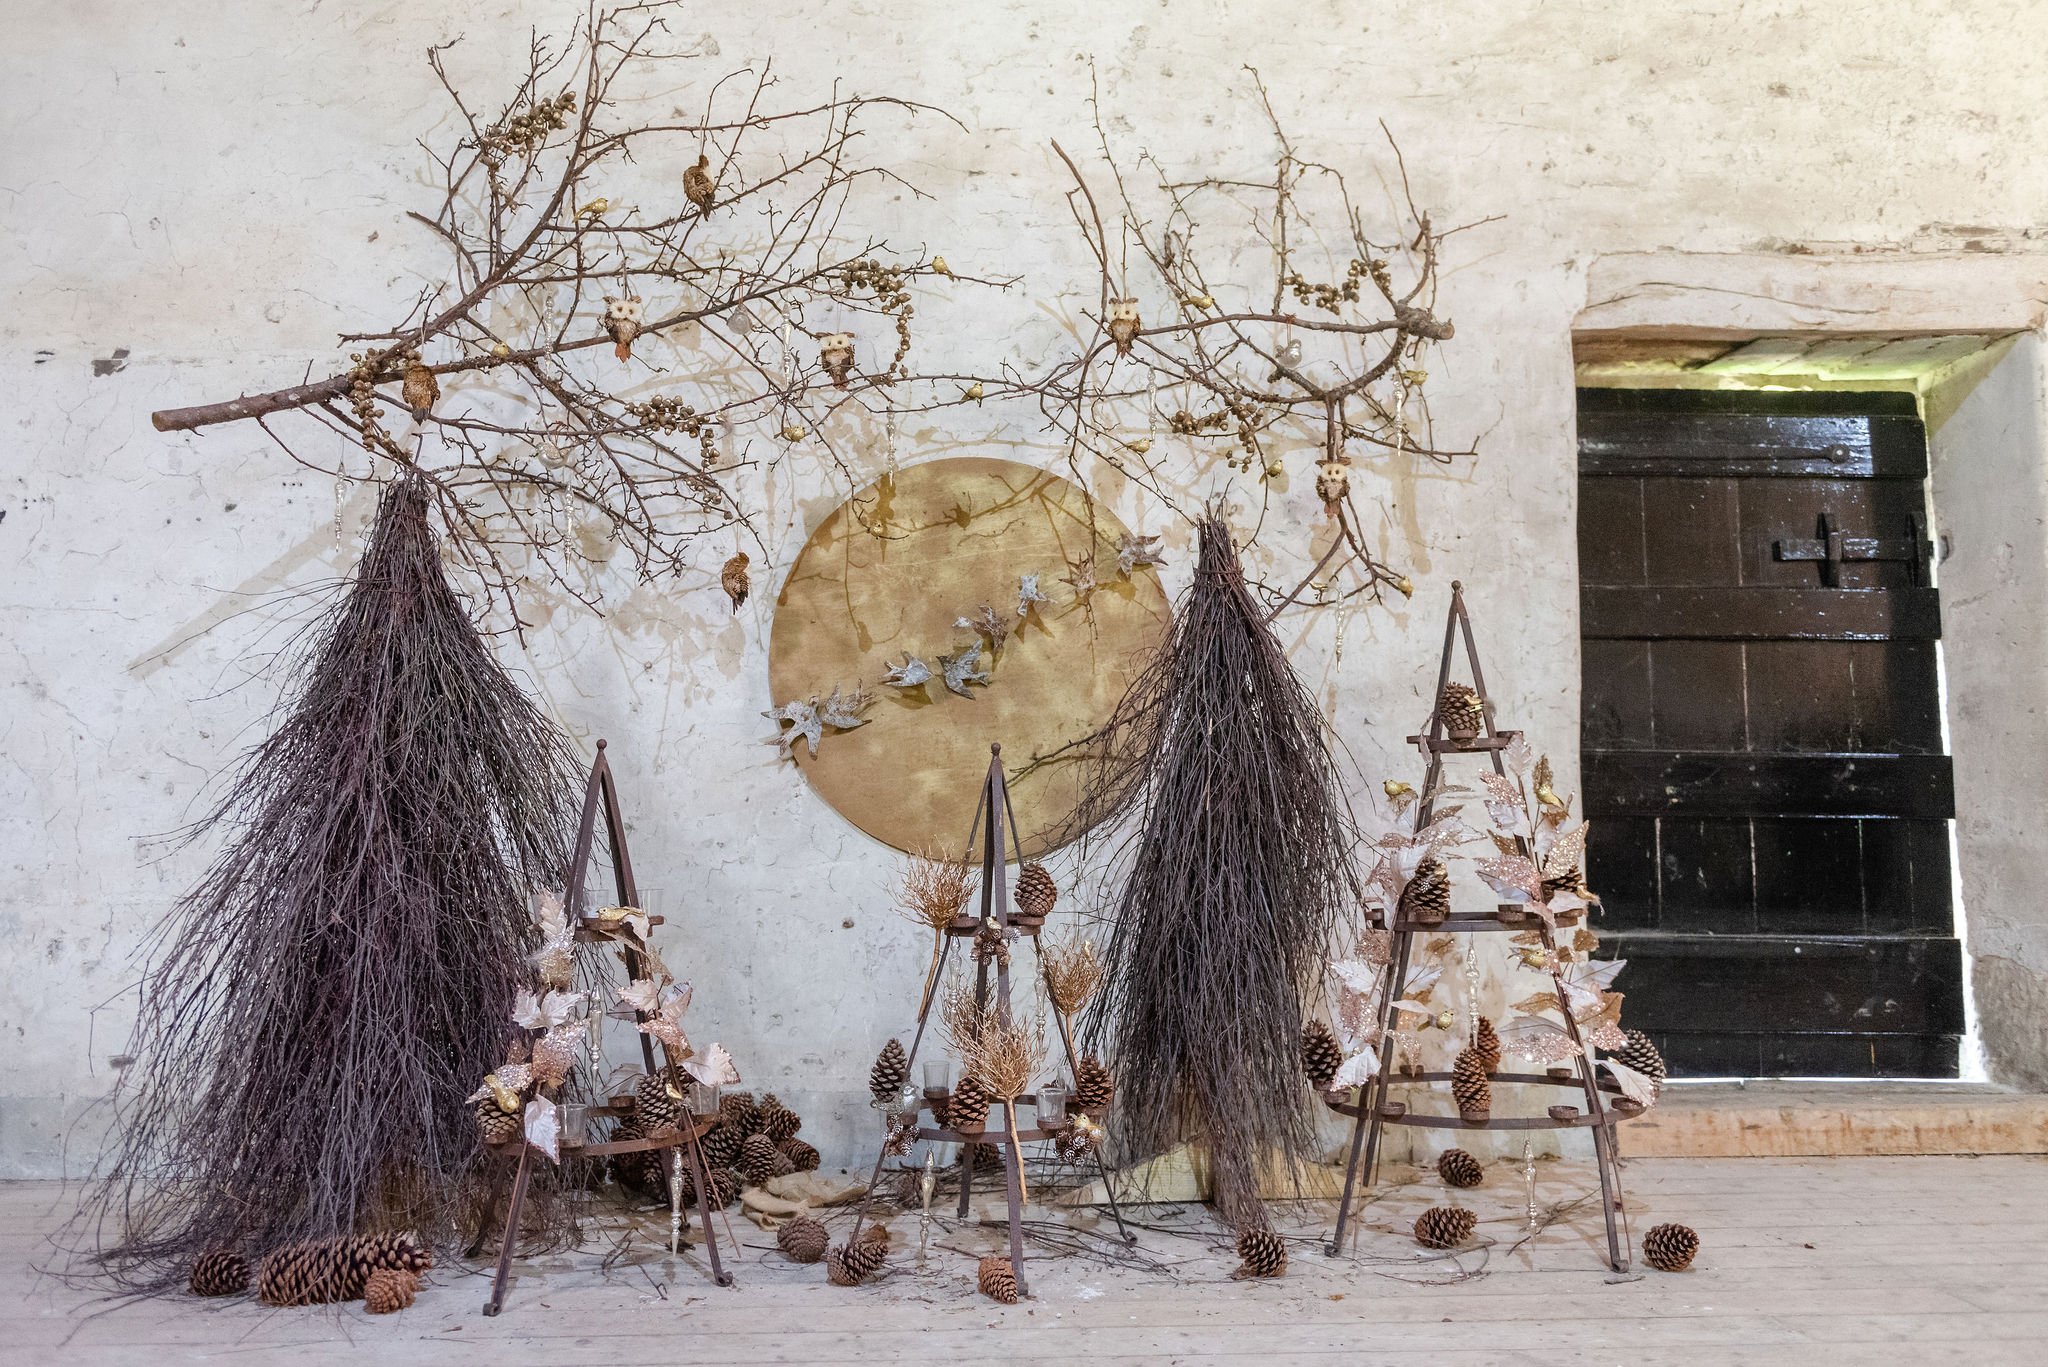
(1052, 1107)
(703, 1098)
(938, 1077)
(575, 1125)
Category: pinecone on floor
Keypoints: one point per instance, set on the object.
(1036, 892)
(1427, 898)
(1459, 1169)
(1670, 1248)
(891, 1071)
(1094, 1088)
(802, 1157)
(323, 1270)
(721, 1144)
(1642, 1056)
(779, 1122)
(758, 1159)
(985, 1156)
(998, 1280)
(1321, 1055)
(802, 1240)
(851, 1264)
(1469, 1085)
(725, 1187)
(1460, 710)
(654, 1110)
(739, 1110)
(1445, 1226)
(1486, 1044)
(1261, 1252)
(219, 1272)
(967, 1108)
(388, 1291)
(495, 1126)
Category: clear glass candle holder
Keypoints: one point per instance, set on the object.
(1052, 1107)
(938, 1077)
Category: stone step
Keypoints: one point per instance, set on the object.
(1802, 1119)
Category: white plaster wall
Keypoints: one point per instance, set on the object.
(217, 189)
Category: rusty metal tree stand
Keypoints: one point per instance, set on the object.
(1602, 1103)
(993, 827)
(601, 796)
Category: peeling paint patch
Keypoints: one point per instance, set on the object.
(108, 365)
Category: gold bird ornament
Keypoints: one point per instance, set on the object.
(421, 389)
(1123, 324)
(733, 579)
(699, 186)
(622, 323)
(835, 354)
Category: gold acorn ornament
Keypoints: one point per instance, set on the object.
(1333, 482)
(622, 317)
(1123, 324)
(421, 389)
(699, 185)
(835, 355)
(733, 579)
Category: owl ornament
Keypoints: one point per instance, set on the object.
(733, 579)
(835, 353)
(699, 186)
(421, 389)
(1123, 324)
(622, 323)
(1333, 482)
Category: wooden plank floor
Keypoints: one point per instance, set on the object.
(1841, 1261)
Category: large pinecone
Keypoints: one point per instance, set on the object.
(967, 1108)
(1459, 1169)
(1445, 1226)
(851, 1264)
(998, 1280)
(1094, 1088)
(1427, 898)
(654, 1110)
(1461, 710)
(1036, 892)
(802, 1157)
(1642, 1056)
(1321, 1055)
(739, 1110)
(1670, 1248)
(1263, 1253)
(721, 1145)
(757, 1159)
(387, 1291)
(802, 1240)
(725, 1187)
(1469, 1085)
(1486, 1044)
(891, 1071)
(325, 1270)
(219, 1272)
(497, 1126)
(778, 1122)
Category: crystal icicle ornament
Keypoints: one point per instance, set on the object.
(675, 1200)
(1529, 1179)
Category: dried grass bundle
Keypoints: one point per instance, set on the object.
(342, 976)
(1072, 969)
(933, 889)
(1230, 840)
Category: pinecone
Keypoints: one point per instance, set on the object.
(219, 1272)
(1094, 1088)
(496, 1126)
(967, 1108)
(1642, 1056)
(802, 1157)
(778, 1122)
(1461, 711)
(1486, 1044)
(1670, 1248)
(1459, 1169)
(387, 1291)
(851, 1264)
(740, 1113)
(758, 1159)
(802, 1240)
(985, 1156)
(1427, 898)
(1036, 894)
(1571, 880)
(725, 1187)
(1263, 1253)
(1073, 1144)
(721, 1144)
(1469, 1086)
(997, 1278)
(1320, 1055)
(654, 1110)
(335, 1269)
(1445, 1226)
(891, 1071)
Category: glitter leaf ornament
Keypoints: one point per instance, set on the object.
(544, 1127)
(713, 1068)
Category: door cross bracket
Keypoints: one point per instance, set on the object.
(1836, 548)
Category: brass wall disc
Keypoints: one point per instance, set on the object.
(889, 573)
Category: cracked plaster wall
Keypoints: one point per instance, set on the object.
(199, 197)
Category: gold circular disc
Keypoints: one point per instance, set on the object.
(889, 573)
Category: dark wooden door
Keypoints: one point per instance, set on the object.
(1763, 758)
